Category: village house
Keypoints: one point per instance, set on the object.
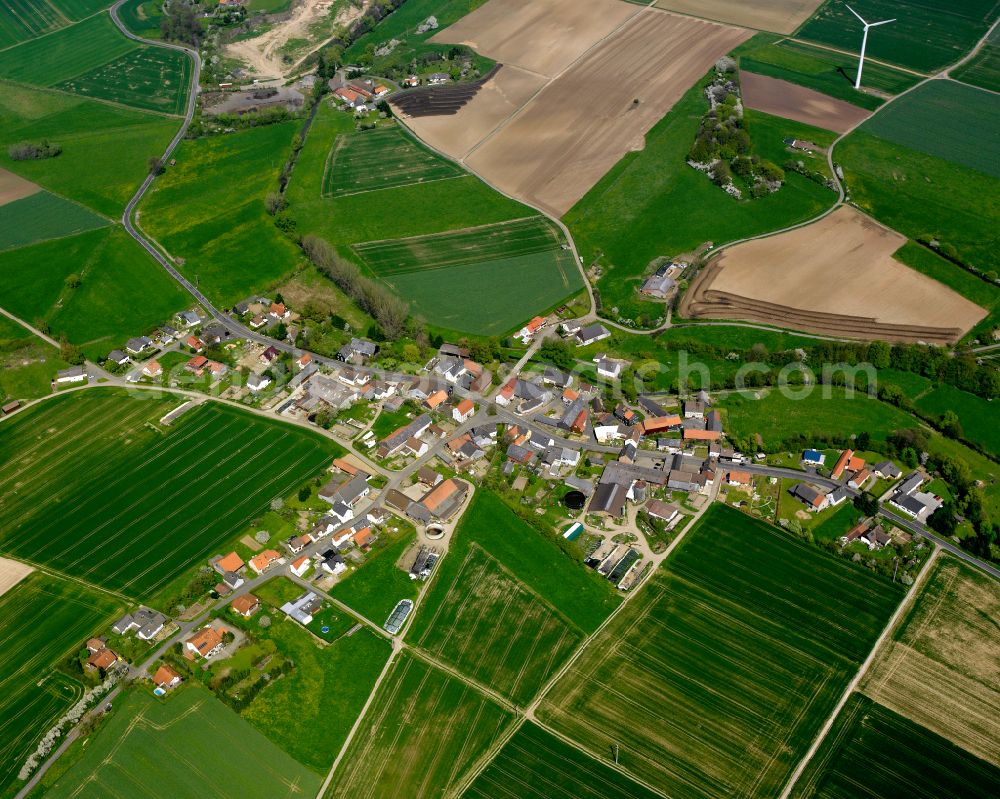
(258, 382)
(915, 503)
(188, 318)
(591, 334)
(262, 562)
(166, 678)
(813, 457)
(206, 643)
(118, 357)
(358, 351)
(135, 346)
(245, 605)
(814, 499)
(152, 369)
(74, 374)
(463, 411)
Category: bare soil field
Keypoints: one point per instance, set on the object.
(575, 129)
(780, 16)
(942, 668)
(14, 187)
(791, 101)
(11, 573)
(836, 276)
(456, 134)
(542, 36)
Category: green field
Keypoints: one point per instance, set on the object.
(175, 747)
(152, 78)
(716, 678)
(926, 36)
(620, 221)
(923, 196)
(484, 280)
(43, 216)
(873, 752)
(534, 764)
(122, 291)
(382, 159)
(976, 415)
(402, 23)
(142, 17)
(42, 620)
(105, 149)
(420, 735)
(26, 19)
(27, 363)
(984, 69)
(105, 494)
(209, 209)
(947, 120)
(823, 70)
(375, 588)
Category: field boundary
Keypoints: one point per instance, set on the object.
(446, 233)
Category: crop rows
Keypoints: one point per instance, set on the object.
(43, 216)
(151, 78)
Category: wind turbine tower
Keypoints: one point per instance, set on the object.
(864, 41)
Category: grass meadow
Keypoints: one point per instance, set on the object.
(872, 751)
(984, 69)
(716, 678)
(382, 159)
(122, 291)
(924, 37)
(27, 364)
(42, 216)
(375, 588)
(823, 70)
(105, 149)
(142, 17)
(209, 210)
(42, 620)
(652, 204)
(534, 764)
(25, 19)
(421, 733)
(166, 747)
(98, 490)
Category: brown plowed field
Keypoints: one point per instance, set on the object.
(11, 573)
(456, 134)
(784, 99)
(836, 277)
(14, 187)
(576, 128)
(780, 16)
(543, 36)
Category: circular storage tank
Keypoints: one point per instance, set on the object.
(434, 531)
(574, 500)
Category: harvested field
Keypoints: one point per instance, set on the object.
(11, 573)
(574, 130)
(542, 37)
(791, 101)
(836, 276)
(456, 134)
(780, 16)
(949, 638)
(14, 187)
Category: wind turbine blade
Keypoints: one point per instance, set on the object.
(883, 22)
(855, 14)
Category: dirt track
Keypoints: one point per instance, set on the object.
(780, 16)
(836, 276)
(14, 187)
(11, 573)
(788, 100)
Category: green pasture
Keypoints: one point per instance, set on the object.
(151, 78)
(142, 17)
(421, 733)
(209, 210)
(377, 585)
(873, 751)
(976, 415)
(923, 196)
(382, 159)
(534, 764)
(106, 494)
(825, 71)
(27, 364)
(122, 292)
(402, 23)
(154, 747)
(26, 19)
(984, 69)
(925, 36)
(43, 620)
(729, 660)
(652, 204)
(105, 149)
(947, 120)
(42, 216)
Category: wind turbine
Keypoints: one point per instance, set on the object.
(864, 41)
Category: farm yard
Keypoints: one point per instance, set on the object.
(495, 274)
(947, 638)
(875, 752)
(195, 735)
(144, 502)
(381, 159)
(392, 756)
(924, 37)
(534, 764)
(493, 629)
(783, 16)
(25, 19)
(693, 721)
(783, 99)
(42, 620)
(810, 279)
(42, 216)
